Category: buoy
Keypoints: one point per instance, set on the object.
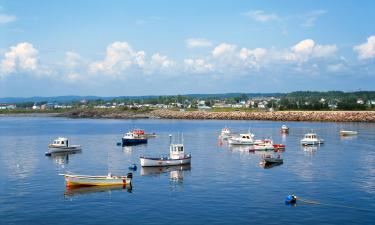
(290, 199)
(133, 167)
(118, 143)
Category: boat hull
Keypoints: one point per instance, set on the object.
(148, 162)
(63, 149)
(78, 180)
(348, 133)
(136, 141)
(307, 142)
(238, 142)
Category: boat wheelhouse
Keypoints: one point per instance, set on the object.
(242, 139)
(284, 129)
(311, 139)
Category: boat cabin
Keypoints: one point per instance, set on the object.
(246, 136)
(61, 141)
(176, 151)
(310, 136)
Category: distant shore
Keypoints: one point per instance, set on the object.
(323, 116)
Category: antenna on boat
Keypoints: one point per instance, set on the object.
(182, 138)
(170, 139)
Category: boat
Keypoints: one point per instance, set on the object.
(176, 157)
(263, 145)
(61, 145)
(269, 161)
(242, 139)
(225, 133)
(348, 133)
(151, 135)
(284, 129)
(279, 146)
(134, 137)
(311, 139)
(87, 180)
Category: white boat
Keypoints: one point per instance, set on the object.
(176, 156)
(265, 144)
(311, 139)
(61, 144)
(87, 180)
(284, 129)
(348, 133)
(242, 139)
(225, 133)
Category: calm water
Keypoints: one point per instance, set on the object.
(223, 185)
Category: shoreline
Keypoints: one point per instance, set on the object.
(317, 116)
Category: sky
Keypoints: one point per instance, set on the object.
(119, 48)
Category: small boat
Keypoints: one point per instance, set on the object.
(348, 133)
(311, 139)
(263, 145)
(134, 137)
(225, 133)
(279, 146)
(242, 139)
(61, 145)
(176, 156)
(87, 180)
(284, 129)
(151, 135)
(268, 161)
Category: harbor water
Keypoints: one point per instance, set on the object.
(223, 185)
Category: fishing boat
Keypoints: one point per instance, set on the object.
(225, 133)
(348, 133)
(269, 161)
(134, 137)
(242, 139)
(311, 139)
(279, 146)
(87, 180)
(263, 145)
(61, 145)
(176, 157)
(284, 129)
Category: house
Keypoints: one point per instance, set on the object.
(360, 101)
(7, 106)
(202, 106)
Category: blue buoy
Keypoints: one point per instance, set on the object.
(290, 199)
(133, 167)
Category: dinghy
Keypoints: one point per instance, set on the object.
(348, 133)
(87, 180)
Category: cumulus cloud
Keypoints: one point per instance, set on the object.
(223, 49)
(198, 43)
(4, 18)
(119, 57)
(21, 57)
(159, 62)
(366, 50)
(198, 66)
(72, 59)
(307, 49)
(261, 16)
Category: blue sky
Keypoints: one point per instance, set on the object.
(111, 48)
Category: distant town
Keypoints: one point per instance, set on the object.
(334, 100)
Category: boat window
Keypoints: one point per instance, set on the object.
(180, 149)
(62, 142)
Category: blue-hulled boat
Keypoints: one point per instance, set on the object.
(134, 137)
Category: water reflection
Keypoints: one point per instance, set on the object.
(84, 190)
(310, 150)
(61, 158)
(128, 150)
(176, 173)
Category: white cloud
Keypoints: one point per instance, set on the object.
(198, 66)
(198, 43)
(4, 18)
(307, 49)
(261, 16)
(72, 60)
(312, 16)
(366, 50)
(223, 49)
(161, 62)
(22, 57)
(119, 57)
